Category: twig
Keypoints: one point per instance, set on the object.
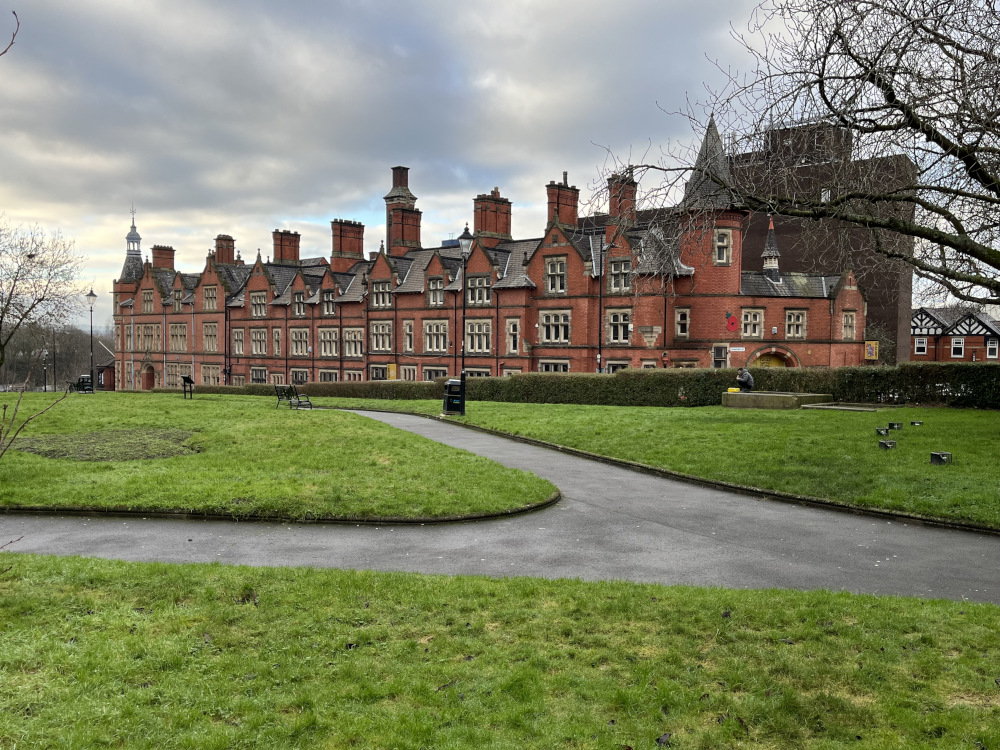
(12, 36)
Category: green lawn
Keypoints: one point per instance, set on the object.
(108, 654)
(824, 454)
(239, 456)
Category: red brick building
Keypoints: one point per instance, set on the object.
(943, 334)
(590, 293)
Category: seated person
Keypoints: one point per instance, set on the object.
(745, 379)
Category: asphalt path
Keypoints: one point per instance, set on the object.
(612, 523)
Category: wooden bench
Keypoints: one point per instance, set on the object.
(291, 394)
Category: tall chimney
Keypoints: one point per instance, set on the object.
(225, 249)
(286, 246)
(491, 218)
(402, 219)
(621, 204)
(564, 200)
(348, 244)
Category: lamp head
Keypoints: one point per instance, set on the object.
(465, 241)
(91, 299)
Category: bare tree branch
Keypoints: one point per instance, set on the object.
(12, 36)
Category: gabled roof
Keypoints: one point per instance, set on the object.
(935, 321)
(814, 286)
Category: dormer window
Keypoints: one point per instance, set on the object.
(258, 304)
(555, 275)
(329, 304)
(147, 301)
(299, 304)
(382, 294)
(478, 290)
(178, 296)
(435, 291)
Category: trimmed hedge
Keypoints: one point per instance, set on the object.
(951, 384)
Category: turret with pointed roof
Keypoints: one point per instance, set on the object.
(771, 254)
(709, 185)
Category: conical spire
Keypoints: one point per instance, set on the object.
(710, 177)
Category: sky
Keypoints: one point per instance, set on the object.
(213, 117)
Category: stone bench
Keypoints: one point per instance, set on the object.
(773, 399)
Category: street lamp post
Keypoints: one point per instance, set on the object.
(45, 370)
(91, 299)
(464, 242)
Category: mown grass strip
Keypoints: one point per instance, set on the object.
(239, 456)
(823, 454)
(99, 653)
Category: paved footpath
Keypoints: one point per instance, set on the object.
(612, 523)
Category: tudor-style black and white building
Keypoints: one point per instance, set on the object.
(944, 334)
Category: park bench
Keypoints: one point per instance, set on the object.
(291, 394)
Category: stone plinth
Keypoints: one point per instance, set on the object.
(773, 400)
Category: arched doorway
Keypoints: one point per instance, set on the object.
(148, 378)
(770, 360)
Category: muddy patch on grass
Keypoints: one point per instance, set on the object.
(110, 445)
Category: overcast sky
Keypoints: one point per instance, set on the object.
(240, 118)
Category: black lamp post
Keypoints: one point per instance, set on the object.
(464, 242)
(45, 370)
(91, 299)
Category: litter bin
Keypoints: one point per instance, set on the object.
(454, 396)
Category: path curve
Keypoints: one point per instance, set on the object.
(612, 523)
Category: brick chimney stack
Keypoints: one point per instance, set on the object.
(564, 201)
(225, 249)
(163, 257)
(286, 246)
(621, 204)
(402, 219)
(491, 218)
(348, 244)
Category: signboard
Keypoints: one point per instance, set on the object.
(737, 348)
(392, 373)
(871, 350)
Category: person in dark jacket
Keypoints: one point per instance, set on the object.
(745, 379)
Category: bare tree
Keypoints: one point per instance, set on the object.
(38, 282)
(896, 103)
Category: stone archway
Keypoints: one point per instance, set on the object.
(772, 356)
(148, 378)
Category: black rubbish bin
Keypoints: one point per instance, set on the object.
(454, 396)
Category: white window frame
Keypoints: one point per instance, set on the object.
(210, 374)
(753, 322)
(298, 305)
(327, 376)
(992, 348)
(513, 335)
(555, 327)
(619, 276)
(850, 326)
(478, 336)
(435, 291)
(210, 299)
(299, 375)
(327, 342)
(555, 275)
(920, 345)
(277, 378)
(329, 306)
(258, 374)
(408, 373)
(435, 336)
(408, 337)
(722, 247)
(553, 365)
(380, 336)
(682, 323)
(619, 327)
(276, 341)
(238, 342)
(958, 347)
(432, 373)
(258, 342)
(382, 294)
(299, 338)
(354, 344)
(716, 348)
(795, 324)
(477, 291)
(258, 304)
(210, 337)
(178, 337)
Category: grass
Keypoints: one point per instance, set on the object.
(824, 454)
(239, 456)
(97, 653)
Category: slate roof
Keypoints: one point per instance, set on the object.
(815, 286)
(702, 192)
(132, 269)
